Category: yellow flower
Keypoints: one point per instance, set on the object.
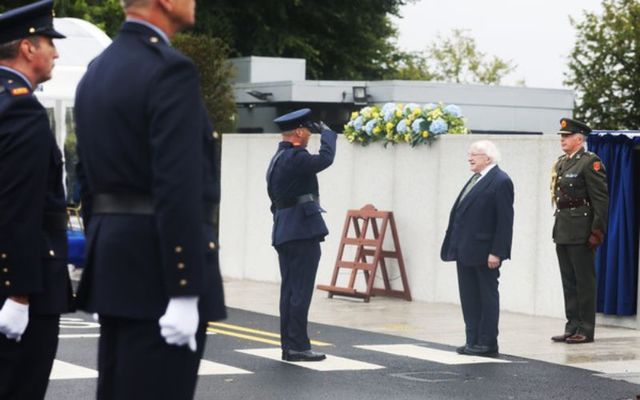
(398, 113)
(425, 134)
(354, 115)
(407, 137)
(389, 126)
(416, 112)
(375, 114)
(377, 130)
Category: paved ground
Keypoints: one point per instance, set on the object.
(384, 349)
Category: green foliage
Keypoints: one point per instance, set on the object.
(604, 66)
(210, 56)
(339, 39)
(455, 59)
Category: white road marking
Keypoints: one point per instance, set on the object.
(214, 368)
(332, 363)
(434, 355)
(65, 370)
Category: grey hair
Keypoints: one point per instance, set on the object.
(488, 148)
(9, 50)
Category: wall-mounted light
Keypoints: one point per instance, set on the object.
(264, 96)
(360, 96)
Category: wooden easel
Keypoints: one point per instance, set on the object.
(362, 219)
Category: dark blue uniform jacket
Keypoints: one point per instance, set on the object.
(293, 175)
(143, 129)
(32, 255)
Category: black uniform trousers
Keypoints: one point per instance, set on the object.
(25, 366)
(298, 266)
(577, 268)
(480, 301)
(135, 362)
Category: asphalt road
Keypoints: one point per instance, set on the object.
(361, 365)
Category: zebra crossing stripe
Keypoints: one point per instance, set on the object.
(332, 363)
(434, 355)
(214, 368)
(65, 370)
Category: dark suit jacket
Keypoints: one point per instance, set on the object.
(294, 174)
(32, 255)
(143, 129)
(482, 223)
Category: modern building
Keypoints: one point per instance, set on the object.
(266, 87)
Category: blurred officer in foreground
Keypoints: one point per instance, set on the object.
(579, 192)
(298, 227)
(34, 280)
(149, 190)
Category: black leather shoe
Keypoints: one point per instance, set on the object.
(306, 355)
(461, 349)
(561, 338)
(481, 350)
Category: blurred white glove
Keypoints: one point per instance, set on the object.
(179, 324)
(14, 318)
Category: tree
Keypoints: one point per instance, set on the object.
(339, 39)
(456, 59)
(604, 66)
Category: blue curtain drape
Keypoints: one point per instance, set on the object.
(617, 258)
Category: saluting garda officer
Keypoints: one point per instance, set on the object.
(34, 280)
(150, 186)
(579, 192)
(298, 227)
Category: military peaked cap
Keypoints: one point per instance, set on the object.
(29, 20)
(571, 126)
(295, 119)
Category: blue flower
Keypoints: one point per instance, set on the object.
(438, 126)
(357, 123)
(368, 127)
(409, 108)
(388, 111)
(454, 110)
(402, 126)
(429, 107)
(417, 125)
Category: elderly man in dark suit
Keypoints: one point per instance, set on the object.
(479, 238)
(34, 280)
(298, 227)
(150, 186)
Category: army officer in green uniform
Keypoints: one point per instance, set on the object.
(579, 190)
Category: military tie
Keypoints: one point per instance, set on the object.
(469, 186)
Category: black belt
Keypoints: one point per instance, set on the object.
(287, 203)
(55, 221)
(137, 204)
(572, 203)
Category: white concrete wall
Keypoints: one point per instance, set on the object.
(419, 185)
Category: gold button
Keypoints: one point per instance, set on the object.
(585, 214)
(7, 283)
(183, 282)
(52, 253)
(181, 265)
(154, 39)
(559, 177)
(215, 135)
(4, 255)
(32, 30)
(10, 80)
(212, 245)
(178, 249)
(5, 270)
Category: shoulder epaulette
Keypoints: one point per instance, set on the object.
(13, 88)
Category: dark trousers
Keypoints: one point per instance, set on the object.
(480, 300)
(577, 268)
(25, 366)
(298, 266)
(135, 362)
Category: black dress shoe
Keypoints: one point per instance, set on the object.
(561, 338)
(461, 349)
(306, 355)
(481, 350)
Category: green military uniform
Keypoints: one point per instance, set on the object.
(580, 195)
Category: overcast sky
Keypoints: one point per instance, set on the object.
(536, 35)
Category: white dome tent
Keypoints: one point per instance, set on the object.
(83, 43)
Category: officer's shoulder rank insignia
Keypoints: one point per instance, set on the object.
(596, 166)
(19, 91)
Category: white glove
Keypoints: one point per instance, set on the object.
(14, 318)
(179, 323)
